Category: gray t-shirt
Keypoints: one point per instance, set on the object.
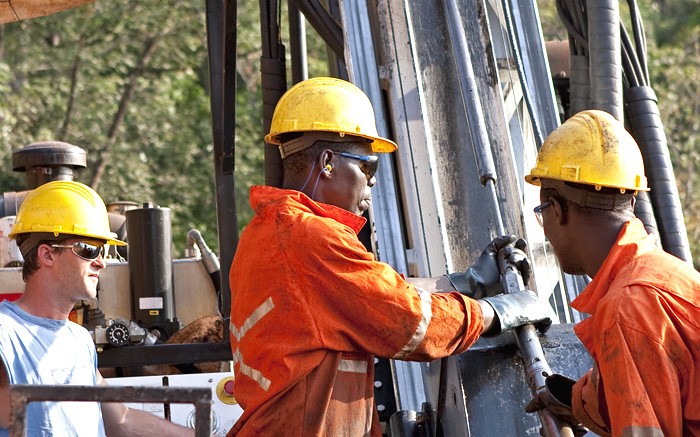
(50, 352)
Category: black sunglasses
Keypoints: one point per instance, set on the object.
(369, 162)
(83, 250)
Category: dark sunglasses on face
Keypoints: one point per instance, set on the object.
(83, 250)
(369, 162)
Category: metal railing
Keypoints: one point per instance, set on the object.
(22, 395)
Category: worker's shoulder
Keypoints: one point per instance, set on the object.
(664, 272)
(6, 314)
(650, 289)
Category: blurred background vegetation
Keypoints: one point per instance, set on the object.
(128, 82)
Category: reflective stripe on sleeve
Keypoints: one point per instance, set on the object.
(354, 366)
(251, 373)
(238, 333)
(258, 314)
(426, 302)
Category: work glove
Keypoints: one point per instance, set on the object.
(516, 255)
(483, 278)
(556, 397)
(517, 309)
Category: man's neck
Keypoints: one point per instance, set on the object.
(597, 249)
(42, 302)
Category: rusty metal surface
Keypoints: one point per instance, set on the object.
(22, 395)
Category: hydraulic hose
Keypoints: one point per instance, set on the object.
(605, 58)
(274, 84)
(660, 209)
(574, 19)
(647, 129)
(580, 88)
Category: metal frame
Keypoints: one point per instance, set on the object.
(221, 36)
(22, 395)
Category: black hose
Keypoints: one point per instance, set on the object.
(647, 128)
(631, 67)
(573, 15)
(604, 55)
(274, 84)
(639, 38)
(644, 212)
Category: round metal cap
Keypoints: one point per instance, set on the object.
(48, 154)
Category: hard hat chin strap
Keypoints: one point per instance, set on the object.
(591, 199)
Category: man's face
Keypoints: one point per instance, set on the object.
(351, 179)
(556, 234)
(79, 275)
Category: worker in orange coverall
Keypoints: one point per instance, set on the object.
(644, 330)
(311, 307)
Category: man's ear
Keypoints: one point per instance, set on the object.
(45, 254)
(561, 212)
(325, 161)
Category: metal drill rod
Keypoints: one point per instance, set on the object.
(536, 367)
(533, 356)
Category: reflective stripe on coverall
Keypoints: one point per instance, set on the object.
(310, 308)
(644, 337)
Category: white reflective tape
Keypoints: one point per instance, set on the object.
(255, 375)
(258, 314)
(254, 318)
(151, 303)
(251, 373)
(354, 366)
(426, 306)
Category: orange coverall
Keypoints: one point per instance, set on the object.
(310, 308)
(644, 337)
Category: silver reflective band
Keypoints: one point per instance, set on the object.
(254, 318)
(354, 366)
(426, 301)
(258, 314)
(251, 373)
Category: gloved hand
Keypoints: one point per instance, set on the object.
(516, 255)
(556, 397)
(483, 278)
(517, 309)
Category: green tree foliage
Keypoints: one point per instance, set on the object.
(127, 82)
(675, 74)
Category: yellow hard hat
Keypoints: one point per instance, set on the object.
(327, 104)
(591, 148)
(65, 207)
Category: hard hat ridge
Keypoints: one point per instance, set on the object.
(325, 105)
(65, 208)
(591, 148)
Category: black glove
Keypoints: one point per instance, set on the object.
(516, 255)
(556, 397)
(517, 309)
(483, 278)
